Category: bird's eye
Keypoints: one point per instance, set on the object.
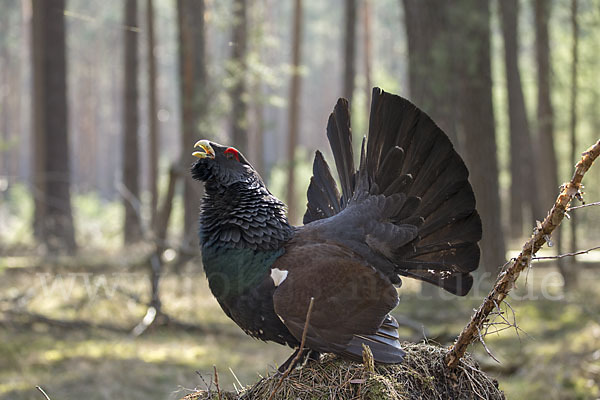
(231, 152)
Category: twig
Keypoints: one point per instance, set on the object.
(158, 234)
(236, 378)
(487, 350)
(567, 254)
(208, 387)
(217, 381)
(507, 278)
(42, 391)
(295, 360)
(584, 205)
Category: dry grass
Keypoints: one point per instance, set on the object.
(422, 375)
(557, 358)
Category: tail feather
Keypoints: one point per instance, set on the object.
(413, 164)
(340, 139)
(323, 195)
(391, 167)
(384, 344)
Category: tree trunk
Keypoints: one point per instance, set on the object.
(53, 217)
(5, 79)
(548, 170)
(450, 78)
(523, 190)
(238, 68)
(131, 187)
(258, 139)
(153, 156)
(431, 61)
(294, 111)
(570, 276)
(38, 129)
(10, 96)
(367, 55)
(349, 50)
(193, 81)
(26, 124)
(257, 16)
(477, 122)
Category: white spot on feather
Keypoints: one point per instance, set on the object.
(278, 276)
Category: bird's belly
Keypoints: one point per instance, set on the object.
(253, 311)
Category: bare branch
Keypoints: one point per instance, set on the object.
(567, 254)
(295, 360)
(487, 350)
(507, 278)
(584, 205)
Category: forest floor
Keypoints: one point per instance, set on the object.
(555, 355)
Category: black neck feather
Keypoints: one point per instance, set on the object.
(243, 215)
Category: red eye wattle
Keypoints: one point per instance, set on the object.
(233, 151)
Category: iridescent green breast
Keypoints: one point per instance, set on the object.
(231, 271)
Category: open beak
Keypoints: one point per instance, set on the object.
(207, 150)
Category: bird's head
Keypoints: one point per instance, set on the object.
(226, 165)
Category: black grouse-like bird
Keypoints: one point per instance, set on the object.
(408, 210)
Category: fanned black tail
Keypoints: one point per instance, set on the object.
(411, 162)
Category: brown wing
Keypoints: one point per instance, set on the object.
(351, 301)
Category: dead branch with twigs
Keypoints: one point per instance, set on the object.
(507, 278)
(295, 360)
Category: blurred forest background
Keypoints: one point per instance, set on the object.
(101, 288)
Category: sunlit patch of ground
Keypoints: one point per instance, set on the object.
(555, 356)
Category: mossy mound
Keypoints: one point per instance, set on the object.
(422, 375)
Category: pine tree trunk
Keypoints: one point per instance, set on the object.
(131, 187)
(26, 124)
(153, 156)
(193, 82)
(431, 61)
(5, 79)
(37, 107)
(548, 170)
(294, 110)
(51, 137)
(368, 54)
(430, 68)
(570, 275)
(349, 50)
(238, 68)
(523, 191)
(477, 122)
(450, 78)
(257, 15)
